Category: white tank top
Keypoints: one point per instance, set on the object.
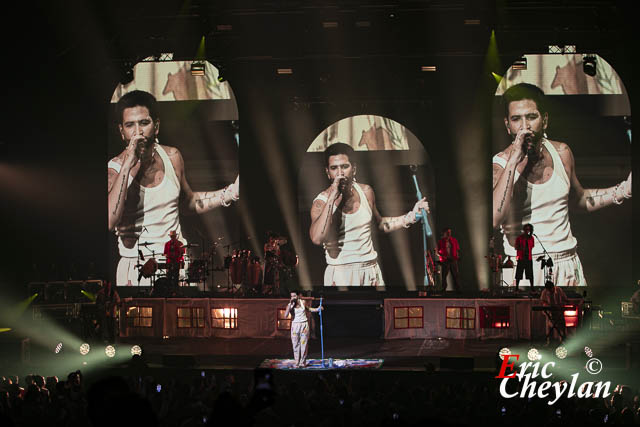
(154, 208)
(545, 206)
(299, 313)
(354, 236)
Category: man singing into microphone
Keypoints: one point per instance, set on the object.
(147, 183)
(341, 218)
(297, 309)
(534, 181)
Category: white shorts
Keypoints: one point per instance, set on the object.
(567, 270)
(127, 273)
(354, 274)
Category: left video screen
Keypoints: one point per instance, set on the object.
(173, 177)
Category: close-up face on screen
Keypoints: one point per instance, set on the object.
(562, 184)
(371, 161)
(173, 176)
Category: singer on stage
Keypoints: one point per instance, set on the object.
(297, 309)
(341, 217)
(524, 246)
(146, 184)
(534, 181)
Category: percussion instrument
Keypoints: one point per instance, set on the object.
(149, 268)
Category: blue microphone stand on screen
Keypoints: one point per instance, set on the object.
(426, 228)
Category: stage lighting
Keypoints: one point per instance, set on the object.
(197, 68)
(561, 352)
(126, 73)
(534, 355)
(554, 48)
(428, 68)
(85, 349)
(284, 71)
(136, 350)
(58, 348)
(520, 63)
(589, 65)
(503, 352)
(110, 351)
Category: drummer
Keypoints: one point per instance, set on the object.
(174, 252)
(272, 247)
(273, 261)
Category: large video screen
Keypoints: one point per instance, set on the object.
(357, 196)
(174, 135)
(562, 174)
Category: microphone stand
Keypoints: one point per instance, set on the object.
(548, 263)
(426, 229)
(321, 335)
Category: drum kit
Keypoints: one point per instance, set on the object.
(248, 275)
(245, 273)
(192, 270)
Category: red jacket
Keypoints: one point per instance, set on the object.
(174, 251)
(442, 249)
(520, 243)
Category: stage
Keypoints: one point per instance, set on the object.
(368, 315)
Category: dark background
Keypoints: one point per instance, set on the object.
(62, 64)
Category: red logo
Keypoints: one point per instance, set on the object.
(506, 364)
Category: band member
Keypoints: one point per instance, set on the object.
(554, 297)
(341, 222)
(147, 183)
(449, 254)
(534, 181)
(272, 246)
(299, 328)
(107, 302)
(174, 253)
(273, 261)
(524, 246)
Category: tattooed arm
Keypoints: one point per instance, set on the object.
(322, 214)
(200, 201)
(388, 223)
(502, 191)
(117, 183)
(591, 199)
(504, 178)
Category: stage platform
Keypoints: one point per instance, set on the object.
(388, 318)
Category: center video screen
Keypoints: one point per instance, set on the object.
(357, 199)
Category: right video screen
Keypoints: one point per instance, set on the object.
(562, 177)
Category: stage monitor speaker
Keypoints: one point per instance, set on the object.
(179, 360)
(456, 363)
